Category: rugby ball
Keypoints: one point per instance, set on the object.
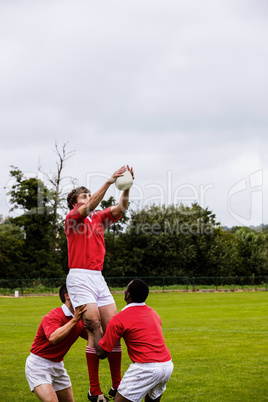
(124, 182)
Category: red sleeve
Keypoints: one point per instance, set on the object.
(160, 322)
(50, 323)
(105, 216)
(84, 334)
(73, 219)
(114, 332)
(75, 215)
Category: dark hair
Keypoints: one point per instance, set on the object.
(62, 292)
(72, 196)
(138, 290)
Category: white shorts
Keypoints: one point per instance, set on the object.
(86, 286)
(145, 378)
(43, 371)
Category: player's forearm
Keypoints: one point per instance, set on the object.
(102, 354)
(62, 332)
(122, 206)
(124, 200)
(94, 200)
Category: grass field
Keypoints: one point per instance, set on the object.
(218, 342)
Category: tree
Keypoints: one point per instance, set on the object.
(252, 247)
(117, 227)
(223, 259)
(174, 240)
(168, 240)
(11, 250)
(57, 197)
(44, 252)
(34, 200)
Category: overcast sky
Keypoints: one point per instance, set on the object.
(176, 89)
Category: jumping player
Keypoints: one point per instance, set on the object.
(140, 326)
(44, 368)
(84, 229)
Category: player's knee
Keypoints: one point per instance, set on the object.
(91, 324)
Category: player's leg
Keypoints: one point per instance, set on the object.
(40, 377)
(46, 393)
(115, 357)
(162, 372)
(82, 286)
(65, 395)
(106, 313)
(92, 313)
(135, 384)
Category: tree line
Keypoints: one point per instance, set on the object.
(173, 240)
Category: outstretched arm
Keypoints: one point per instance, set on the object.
(97, 197)
(123, 202)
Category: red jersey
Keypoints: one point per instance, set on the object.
(49, 323)
(86, 247)
(140, 326)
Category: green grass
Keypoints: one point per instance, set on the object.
(218, 342)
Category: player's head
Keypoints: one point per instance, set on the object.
(72, 197)
(138, 291)
(62, 292)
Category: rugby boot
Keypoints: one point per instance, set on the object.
(112, 393)
(97, 398)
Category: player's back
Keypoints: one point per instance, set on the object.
(143, 334)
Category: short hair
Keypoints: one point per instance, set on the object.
(138, 290)
(72, 196)
(62, 292)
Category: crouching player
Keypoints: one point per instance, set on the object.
(140, 326)
(44, 368)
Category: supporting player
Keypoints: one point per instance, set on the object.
(86, 250)
(44, 368)
(140, 326)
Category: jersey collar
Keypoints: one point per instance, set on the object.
(133, 305)
(66, 311)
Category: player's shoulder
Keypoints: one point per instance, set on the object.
(72, 211)
(151, 309)
(75, 210)
(55, 312)
(128, 312)
(70, 214)
(117, 319)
